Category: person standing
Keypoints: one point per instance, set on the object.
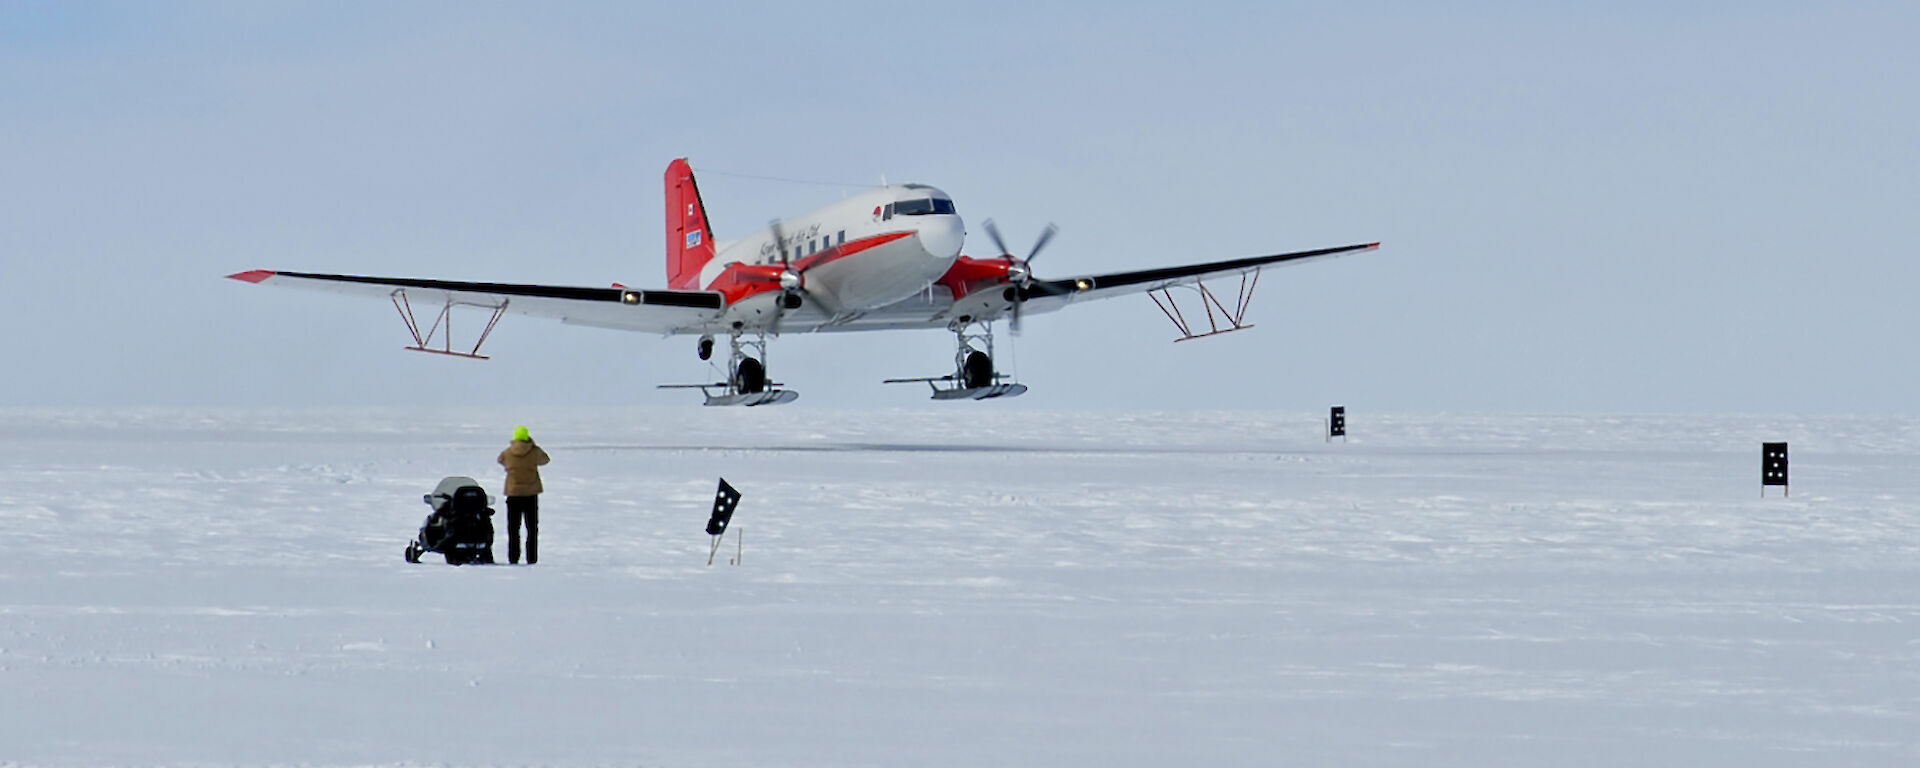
(523, 460)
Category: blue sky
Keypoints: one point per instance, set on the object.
(1625, 207)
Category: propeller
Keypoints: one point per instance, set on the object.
(792, 284)
(779, 244)
(1019, 271)
(790, 281)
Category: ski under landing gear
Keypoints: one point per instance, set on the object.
(973, 376)
(747, 382)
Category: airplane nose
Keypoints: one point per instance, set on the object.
(942, 237)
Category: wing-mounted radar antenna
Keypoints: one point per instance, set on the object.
(442, 328)
(1220, 319)
(1337, 423)
(1773, 468)
(724, 501)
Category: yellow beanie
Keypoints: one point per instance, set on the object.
(521, 434)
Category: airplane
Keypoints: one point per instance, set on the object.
(886, 258)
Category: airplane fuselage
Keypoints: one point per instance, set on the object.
(867, 251)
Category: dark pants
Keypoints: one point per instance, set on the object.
(523, 508)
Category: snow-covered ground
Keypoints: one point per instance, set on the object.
(964, 586)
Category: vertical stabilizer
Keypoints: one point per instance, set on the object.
(689, 240)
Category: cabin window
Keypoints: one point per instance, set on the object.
(843, 238)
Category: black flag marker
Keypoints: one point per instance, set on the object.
(723, 503)
(1773, 466)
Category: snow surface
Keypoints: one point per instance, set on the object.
(964, 586)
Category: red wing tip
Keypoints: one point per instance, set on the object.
(252, 275)
(1371, 246)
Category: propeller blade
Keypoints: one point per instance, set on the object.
(779, 241)
(780, 247)
(993, 233)
(780, 310)
(1046, 235)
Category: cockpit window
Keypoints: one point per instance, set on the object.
(923, 207)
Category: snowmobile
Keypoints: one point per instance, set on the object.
(460, 526)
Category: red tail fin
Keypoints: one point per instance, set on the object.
(689, 240)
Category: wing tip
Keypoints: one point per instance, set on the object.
(251, 275)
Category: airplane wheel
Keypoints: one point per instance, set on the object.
(978, 370)
(412, 555)
(751, 376)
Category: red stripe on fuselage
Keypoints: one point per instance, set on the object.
(844, 250)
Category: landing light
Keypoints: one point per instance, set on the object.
(630, 297)
(1082, 284)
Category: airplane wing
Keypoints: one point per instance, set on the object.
(993, 299)
(693, 312)
(664, 312)
(1049, 295)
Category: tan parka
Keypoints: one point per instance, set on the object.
(523, 460)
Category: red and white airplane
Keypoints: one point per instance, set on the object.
(883, 259)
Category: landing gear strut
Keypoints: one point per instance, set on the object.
(747, 382)
(973, 376)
